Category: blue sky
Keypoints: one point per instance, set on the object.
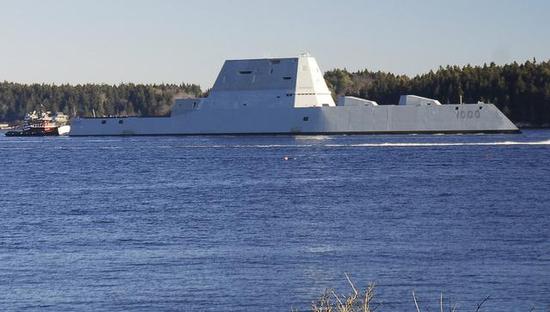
(113, 41)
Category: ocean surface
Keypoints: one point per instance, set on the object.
(267, 223)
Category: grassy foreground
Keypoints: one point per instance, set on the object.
(364, 301)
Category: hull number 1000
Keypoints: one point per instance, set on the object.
(467, 114)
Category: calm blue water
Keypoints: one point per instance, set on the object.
(226, 224)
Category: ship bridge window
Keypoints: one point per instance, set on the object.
(287, 78)
(245, 72)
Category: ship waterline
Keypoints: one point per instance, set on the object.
(290, 96)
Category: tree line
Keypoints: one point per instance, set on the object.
(521, 91)
(86, 100)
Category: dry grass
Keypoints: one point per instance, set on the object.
(355, 302)
(363, 301)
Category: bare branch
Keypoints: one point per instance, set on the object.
(415, 302)
(481, 303)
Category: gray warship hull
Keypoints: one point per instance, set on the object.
(465, 118)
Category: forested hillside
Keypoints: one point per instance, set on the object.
(83, 100)
(521, 91)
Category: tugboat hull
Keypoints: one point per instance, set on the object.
(32, 132)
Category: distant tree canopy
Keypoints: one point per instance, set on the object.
(521, 91)
(85, 100)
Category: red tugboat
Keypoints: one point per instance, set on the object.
(42, 124)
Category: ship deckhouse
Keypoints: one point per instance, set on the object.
(282, 82)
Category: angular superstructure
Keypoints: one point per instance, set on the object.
(290, 96)
(278, 82)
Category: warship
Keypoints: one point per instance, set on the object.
(290, 96)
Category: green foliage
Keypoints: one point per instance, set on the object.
(83, 100)
(521, 91)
